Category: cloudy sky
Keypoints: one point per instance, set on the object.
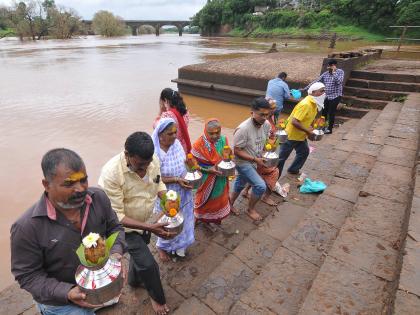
(134, 9)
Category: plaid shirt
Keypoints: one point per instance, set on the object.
(333, 83)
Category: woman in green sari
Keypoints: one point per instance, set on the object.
(212, 198)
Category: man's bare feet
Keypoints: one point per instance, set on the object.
(269, 201)
(254, 215)
(158, 308)
(163, 256)
(245, 193)
(234, 210)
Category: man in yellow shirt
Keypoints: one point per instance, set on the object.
(299, 128)
(132, 181)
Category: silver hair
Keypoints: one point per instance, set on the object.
(213, 124)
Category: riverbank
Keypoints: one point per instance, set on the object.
(348, 33)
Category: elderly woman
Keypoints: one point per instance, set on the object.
(212, 198)
(172, 167)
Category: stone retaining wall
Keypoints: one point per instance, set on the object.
(242, 79)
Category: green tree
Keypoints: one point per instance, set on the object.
(107, 24)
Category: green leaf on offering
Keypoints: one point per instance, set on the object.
(110, 241)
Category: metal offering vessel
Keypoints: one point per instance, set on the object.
(281, 135)
(193, 175)
(319, 134)
(175, 224)
(271, 159)
(100, 284)
(227, 166)
(99, 275)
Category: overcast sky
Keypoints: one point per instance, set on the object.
(134, 9)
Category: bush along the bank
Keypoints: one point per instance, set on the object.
(374, 16)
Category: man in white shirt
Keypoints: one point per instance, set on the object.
(132, 182)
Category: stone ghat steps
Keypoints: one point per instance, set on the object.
(246, 272)
(287, 278)
(383, 76)
(383, 85)
(384, 95)
(360, 102)
(361, 271)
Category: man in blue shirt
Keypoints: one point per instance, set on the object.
(278, 90)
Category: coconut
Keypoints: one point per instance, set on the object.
(94, 253)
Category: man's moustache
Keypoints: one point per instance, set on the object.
(78, 196)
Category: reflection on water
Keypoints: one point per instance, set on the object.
(88, 95)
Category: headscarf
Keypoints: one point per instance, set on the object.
(183, 127)
(204, 149)
(316, 86)
(160, 126)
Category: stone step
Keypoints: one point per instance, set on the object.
(361, 102)
(361, 270)
(378, 76)
(383, 85)
(352, 112)
(374, 94)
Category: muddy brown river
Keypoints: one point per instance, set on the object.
(88, 95)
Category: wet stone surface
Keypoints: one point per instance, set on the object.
(331, 209)
(345, 189)
(282, 286)
(343, 289)
(311, 239)
(379, 217)
(406, 303)
(410, 272)
(225, 285)
(366, 252)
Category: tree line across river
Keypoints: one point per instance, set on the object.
(45, 19)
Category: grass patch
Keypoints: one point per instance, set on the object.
(6, 32)
(343, 30)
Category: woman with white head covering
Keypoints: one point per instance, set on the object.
(299, 128)
(172, 167)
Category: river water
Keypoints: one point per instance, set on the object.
(88, 95)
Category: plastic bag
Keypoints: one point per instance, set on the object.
(310, 186)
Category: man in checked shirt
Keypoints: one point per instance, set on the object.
(333, 80)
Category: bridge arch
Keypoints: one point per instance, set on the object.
(134, 25)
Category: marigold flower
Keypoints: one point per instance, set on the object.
(172, 212)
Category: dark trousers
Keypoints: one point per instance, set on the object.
(143, 268)
(302, 153)
(330, 107)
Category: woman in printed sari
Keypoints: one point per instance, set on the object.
(176, 109)
(212, 198)
(172, 167)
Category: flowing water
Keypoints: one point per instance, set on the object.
(89, 94)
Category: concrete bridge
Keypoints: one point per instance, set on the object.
(156, 24)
